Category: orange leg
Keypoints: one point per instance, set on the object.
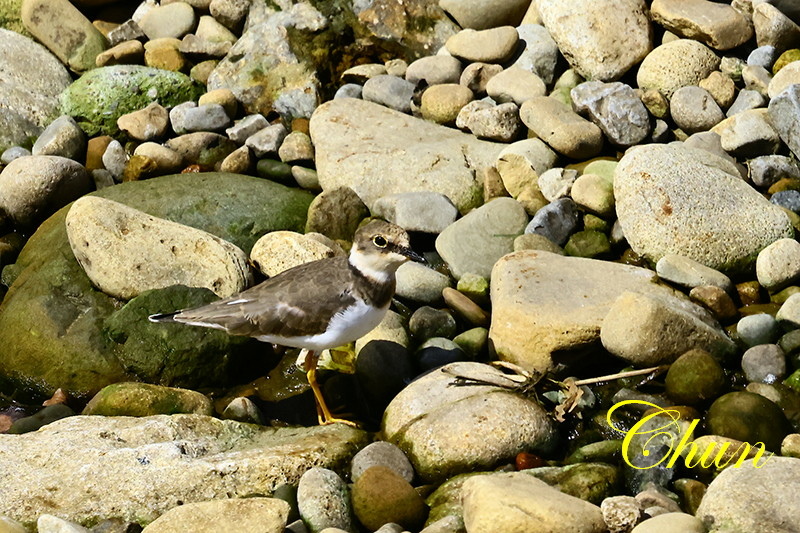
(323, 413)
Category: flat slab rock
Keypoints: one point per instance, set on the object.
(377, 151)
(544, 303)
(677, 200)
(89, 468)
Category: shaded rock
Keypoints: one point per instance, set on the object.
(475, 242)
(647, 331)
(671, 523)
(62, 137)
(437, 428)
(747, 498)
(100, 97)
(676, 64)
(555, 221)
(65, 31)
(540, 53)
(765, 363)
(187, 458)
(586, 33)
(46, 416)
(268, 515)
(142, 399)
(34, 187)
(125, 251)
(544, 303)
(783, 110)
(336, 213)
(52, 318)
(664, 207)
(483, 14)
(381, 496)
(748, 417)
(520, 502)
(419, 156)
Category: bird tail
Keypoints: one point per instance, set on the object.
(163, 317)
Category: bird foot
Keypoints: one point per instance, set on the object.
(333, 420)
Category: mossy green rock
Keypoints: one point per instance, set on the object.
(54, 324)
(49, 414)
(694, 377)
(142, 399)
(587, 243)
(99, 97)
(748, 417)
(11, 17)
(789, 56)
(592, 482)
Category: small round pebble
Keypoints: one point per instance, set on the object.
(758, 329)
(434, 70)
(381, 496)
(765, 363)
(442, 103)
(419, 283)
(694, 109)
(323, 500)
(495, 45)
(382, 453)
(515, 85)
(621, 513)
(778, 265)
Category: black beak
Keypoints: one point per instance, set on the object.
(411, 254)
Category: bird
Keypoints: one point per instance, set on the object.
(318, 305)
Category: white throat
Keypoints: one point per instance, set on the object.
(376, 266)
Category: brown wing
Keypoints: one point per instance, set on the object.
(299, 301)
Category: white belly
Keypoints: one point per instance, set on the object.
(348, 326)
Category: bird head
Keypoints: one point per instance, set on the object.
(379, 248)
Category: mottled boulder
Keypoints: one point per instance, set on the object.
(677, 200)
(52, 319)
(143, 467)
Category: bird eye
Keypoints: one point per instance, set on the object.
(379, 241)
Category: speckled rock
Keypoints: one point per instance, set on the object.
(28, 96)
(615, 108)
(410, 421)
(664, 207)
(428, 212)
(778, 264)
(442, 103)
(483, 14)
(188, 458)
(268, 515)
(281, 250)
(324, 500)
(519, 502)
(587, 34)
(648, 331)
(748, 134)
(750, 498)
(419, 156)
(65, 31)
(720, 26)
(80, 340)
(494, 45)
(693, 109)
(144, 399)
(33, 187)
(122, 89)
(265, 71)
(543, 303)
(490, 231)
(676, 64)
(561, 128)
(783, 110)
(125, 251)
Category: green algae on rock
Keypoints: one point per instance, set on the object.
(54, 323)
(143, 399)
(99, 97)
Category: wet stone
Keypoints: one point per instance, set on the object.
(427, 322)
(765, 363)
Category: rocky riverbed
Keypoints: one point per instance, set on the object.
(606, 336)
